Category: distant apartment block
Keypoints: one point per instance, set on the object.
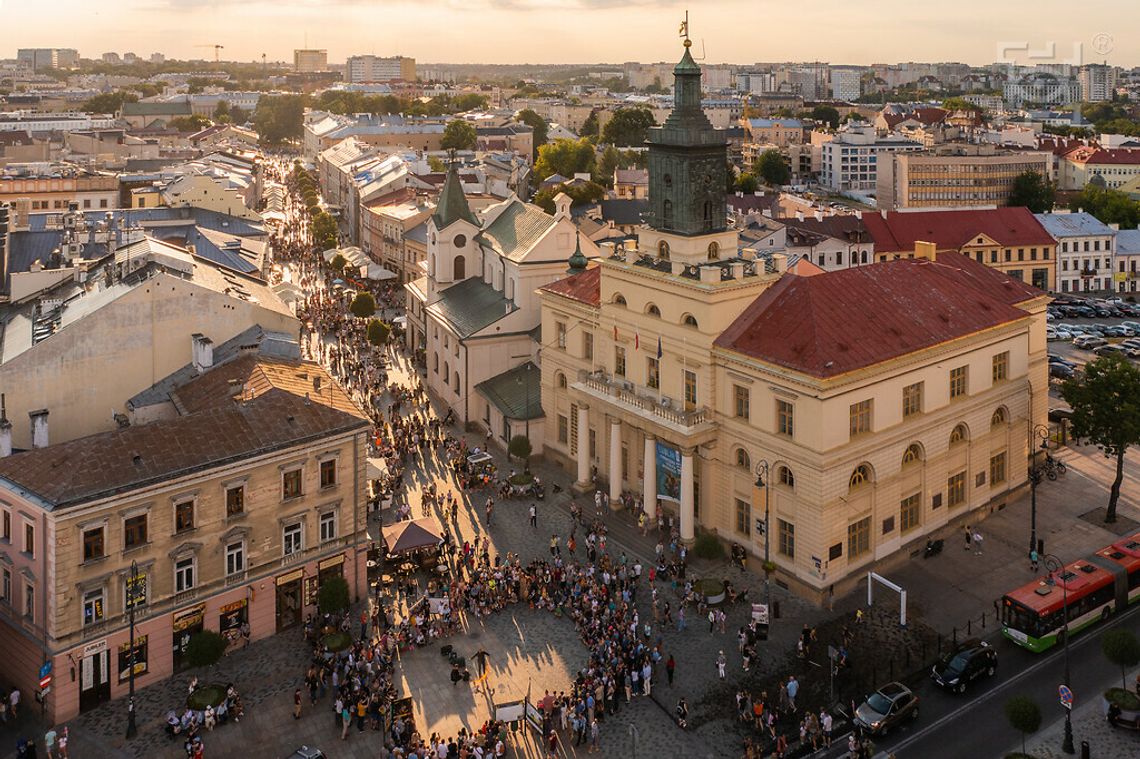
(850, 161)
(372, 68)
(845, 82)
(1041, 89)
(37, 58)
(1097, 82)
(52, 187)
(958, 177)
(31, 121)
(1111, 168)
(310, 61)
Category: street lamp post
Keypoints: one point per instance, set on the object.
(1035, 474)
(762, 482)
(1054, 567)
(132, 589)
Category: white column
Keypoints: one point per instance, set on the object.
(687, 506)
(649, 488)
(615, 462)
(583, 446)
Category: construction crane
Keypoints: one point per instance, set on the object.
(217, 50)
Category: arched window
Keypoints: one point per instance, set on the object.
(959, 434)
(743, 460)
(619, 299)
(663, 250)
(653, 310)
(668, 180)
(912, 454)
(785, 477)
(1001, 416)
(714, 251)
(560, 379)
(667, 214)
(861, 476)
(460, 268)
(689, 321)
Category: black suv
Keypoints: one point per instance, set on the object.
(969, 661)
(886, 708)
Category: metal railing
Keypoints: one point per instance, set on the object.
(643, 400)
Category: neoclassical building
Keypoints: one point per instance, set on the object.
(886, 401)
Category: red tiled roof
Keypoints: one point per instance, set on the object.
(1126, 156)
(845, 320)
(954, 229)
(585, 287)
(804, 268)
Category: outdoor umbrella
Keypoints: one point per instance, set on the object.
(411, 535)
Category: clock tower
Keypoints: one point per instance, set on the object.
(688, 172)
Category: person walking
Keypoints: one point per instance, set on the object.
(969, 537)
(534, 515)
(721, 661)
(793, 689)
(977, 543)
(671, 665)
(1033, 560)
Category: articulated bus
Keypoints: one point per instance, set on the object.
(1093, 588)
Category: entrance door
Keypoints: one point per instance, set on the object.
(288, 604)
(94, 680)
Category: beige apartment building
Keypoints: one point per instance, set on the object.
(55, 191)
(386, 221)
(310, 61)
(951, 178)
(225, 514)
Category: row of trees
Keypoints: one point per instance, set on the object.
(1038, 194)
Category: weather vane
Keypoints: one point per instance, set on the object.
(684, 31)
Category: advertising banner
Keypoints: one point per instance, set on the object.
(668, 473)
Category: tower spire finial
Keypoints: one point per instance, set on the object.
(684, 31)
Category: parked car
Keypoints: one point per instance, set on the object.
(1135, 326)
(1050, 333)
(307, 753)
(886, 708)
(1132, 342)
(1064, 334)
(1060, 371)
(967, 662)
(1089, 342)
(1115, 331)
(1062, 361)
(1106, 350)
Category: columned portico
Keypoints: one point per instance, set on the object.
(649, 488)
(615, 463)
(687, 501)
(583, 447)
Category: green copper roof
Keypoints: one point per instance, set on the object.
(686, 64)
(452, 203)
(578, 261)
(516, 393)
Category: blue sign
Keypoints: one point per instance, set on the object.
(1066, 695)
(45, 670)
(668, 473)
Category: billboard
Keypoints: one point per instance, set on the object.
(668, 473)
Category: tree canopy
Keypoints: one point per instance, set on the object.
(581, 193)
(628, 127)
(772, 168)
(279, 118)
(1032, 190)
(108, 102)
(827, 114)
(194, 123)
(363, 305)
(612, 159)
(1106, 412)
(747, 183)
(333, 595)
(566, 157)
(458, 135)
(1121, 647)
(378, 332)
(535, 122)
(1024, 716)
(1110, 206)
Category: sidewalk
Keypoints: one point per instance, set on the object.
(1089, 724)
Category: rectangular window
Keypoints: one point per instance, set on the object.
(184, 574)
(958, 382)
(786, 538)
(7, 534)
(184, 516)
(909, 512)
(652, 373)
(29, 540)
(328, 473)
(134, 531)
(30, 602)
(593, 444)
(328, 526)
(741, 401)
(563, 429)
(619, 361)
(858, 538)
(912, 399)
(235, 558)
(690, 389)
(785, 418)
(743, 516)
(93, 606)
(235, 500)
(6, 586)
(860, 418)
(1001, 366)
(291, 484)
(956, 490)
(291, 539)
(560, 334)
(588, 346)
(93, 544)
(997, 469)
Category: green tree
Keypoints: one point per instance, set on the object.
(378, 332)
(437, 165)
(580, 193)
(238, 115)
(458, 135)
(1106, 411)
(332, 598)
(324, 230)
(961, 104)
(1110, 206)
(469, 101)
(222, 112)
(193, 123)
(770, 166)
(565, 157)
(628, 127)
(1121, 647)
(590, 125)
(109, 102)
(363, 305)
(1032, 190)
(535, 122)
(747, 183)
(279, 118)
(338, 262)
(520, 448)
(205, 648)
(826, 114)
(1024, 716)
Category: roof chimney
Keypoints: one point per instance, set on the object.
(202, 352)
(799, 215)
(5, 429)
(39, 428)
(819, 215)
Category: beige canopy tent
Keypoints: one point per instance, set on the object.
(411, 535)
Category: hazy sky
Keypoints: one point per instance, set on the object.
(571, 31)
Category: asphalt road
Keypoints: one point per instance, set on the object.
(973, 725)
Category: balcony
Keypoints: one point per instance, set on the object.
(644, 402)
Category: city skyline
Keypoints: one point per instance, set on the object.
(880, 32)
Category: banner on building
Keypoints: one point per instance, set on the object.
(140, 658)
(668, 473)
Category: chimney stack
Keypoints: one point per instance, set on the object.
(39, 428)
(202, 352)
(5, 429)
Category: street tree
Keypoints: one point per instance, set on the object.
(1106, 412)
(279, 118)
(338, 263)
(747, 183)
(333, 596)
(1032, 190)
(1121, 647)
(827, 114)
(378, 332)
(1110, 206)
(628, 127)
(771, 167)
(458, 135)
(363, 305)
(520, 448)
(535, 122)
(580, 193)
(566, 157)
(1024, 716)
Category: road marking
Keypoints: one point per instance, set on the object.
(1119, 619)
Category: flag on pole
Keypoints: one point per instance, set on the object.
(615, 332)
(659, 347)
(637, 340)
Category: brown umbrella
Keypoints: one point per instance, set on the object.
(411, 535)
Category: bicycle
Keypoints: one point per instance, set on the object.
(1053, 468)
